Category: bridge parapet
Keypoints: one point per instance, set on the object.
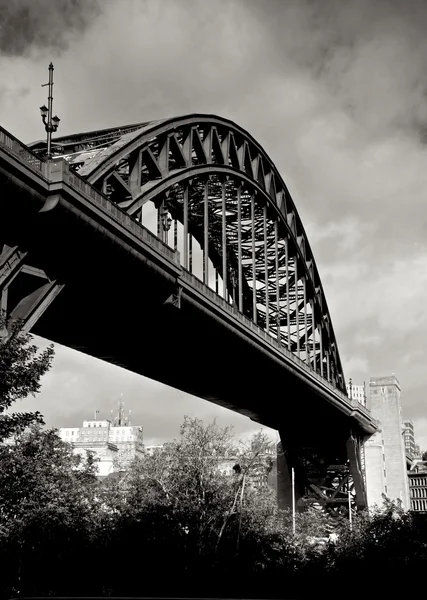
(13, 145)
(60, 169)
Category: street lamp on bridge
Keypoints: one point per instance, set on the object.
(51, 124)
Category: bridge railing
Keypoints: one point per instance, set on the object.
(16, 147)
(85, 188)
(272, 341)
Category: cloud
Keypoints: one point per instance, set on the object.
(37, 25)
(343, 237)
(8, 92)
(357, 365)
(367, 339)
(392, 294)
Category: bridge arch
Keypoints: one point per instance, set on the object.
(212, 182)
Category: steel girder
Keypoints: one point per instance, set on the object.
(328, 473)
(38, 290)
(223, 196)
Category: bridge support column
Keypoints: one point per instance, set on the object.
(327, 472)
(22, 298)
(284, 479)
(354, 449)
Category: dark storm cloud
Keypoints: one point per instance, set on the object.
(27, 25)
(365, 62)
(364, 52)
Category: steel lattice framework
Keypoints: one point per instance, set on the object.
(215, 185)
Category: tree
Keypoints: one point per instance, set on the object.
(425, 456)
(254, 464)
(185, 477)
(180, 508)
(21, 369)
(39, 471)
(48, 512)
(384, 540)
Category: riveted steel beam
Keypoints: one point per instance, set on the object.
(29, 308)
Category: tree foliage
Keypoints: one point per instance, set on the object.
(175, 524)
(47, 502)
(21, 370)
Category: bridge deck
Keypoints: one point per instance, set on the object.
(117, 276)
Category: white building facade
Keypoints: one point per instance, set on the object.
(114, 443)
(357, 392)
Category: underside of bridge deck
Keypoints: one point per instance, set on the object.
(115, 307)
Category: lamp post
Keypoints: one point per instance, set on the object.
(293, 502)
(51, 124)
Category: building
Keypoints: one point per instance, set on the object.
(385, 455)
(265, 469)
(409, 436)
(113, 441)
(92, 437)
(105, 452)
(357, 392)
(374, 468)
(418, 489)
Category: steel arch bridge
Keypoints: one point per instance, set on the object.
(226, 221)
(219, 192)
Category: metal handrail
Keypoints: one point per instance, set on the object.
(85, 188)
(12, 143)
(197, 283)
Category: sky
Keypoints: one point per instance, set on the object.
(336, 93)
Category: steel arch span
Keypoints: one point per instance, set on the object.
(232, 279)
(221, 203)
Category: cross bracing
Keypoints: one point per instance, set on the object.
(221, 202)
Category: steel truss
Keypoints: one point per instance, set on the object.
(328, 474)
(221, 201)
(216, 188)
(39, 290)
